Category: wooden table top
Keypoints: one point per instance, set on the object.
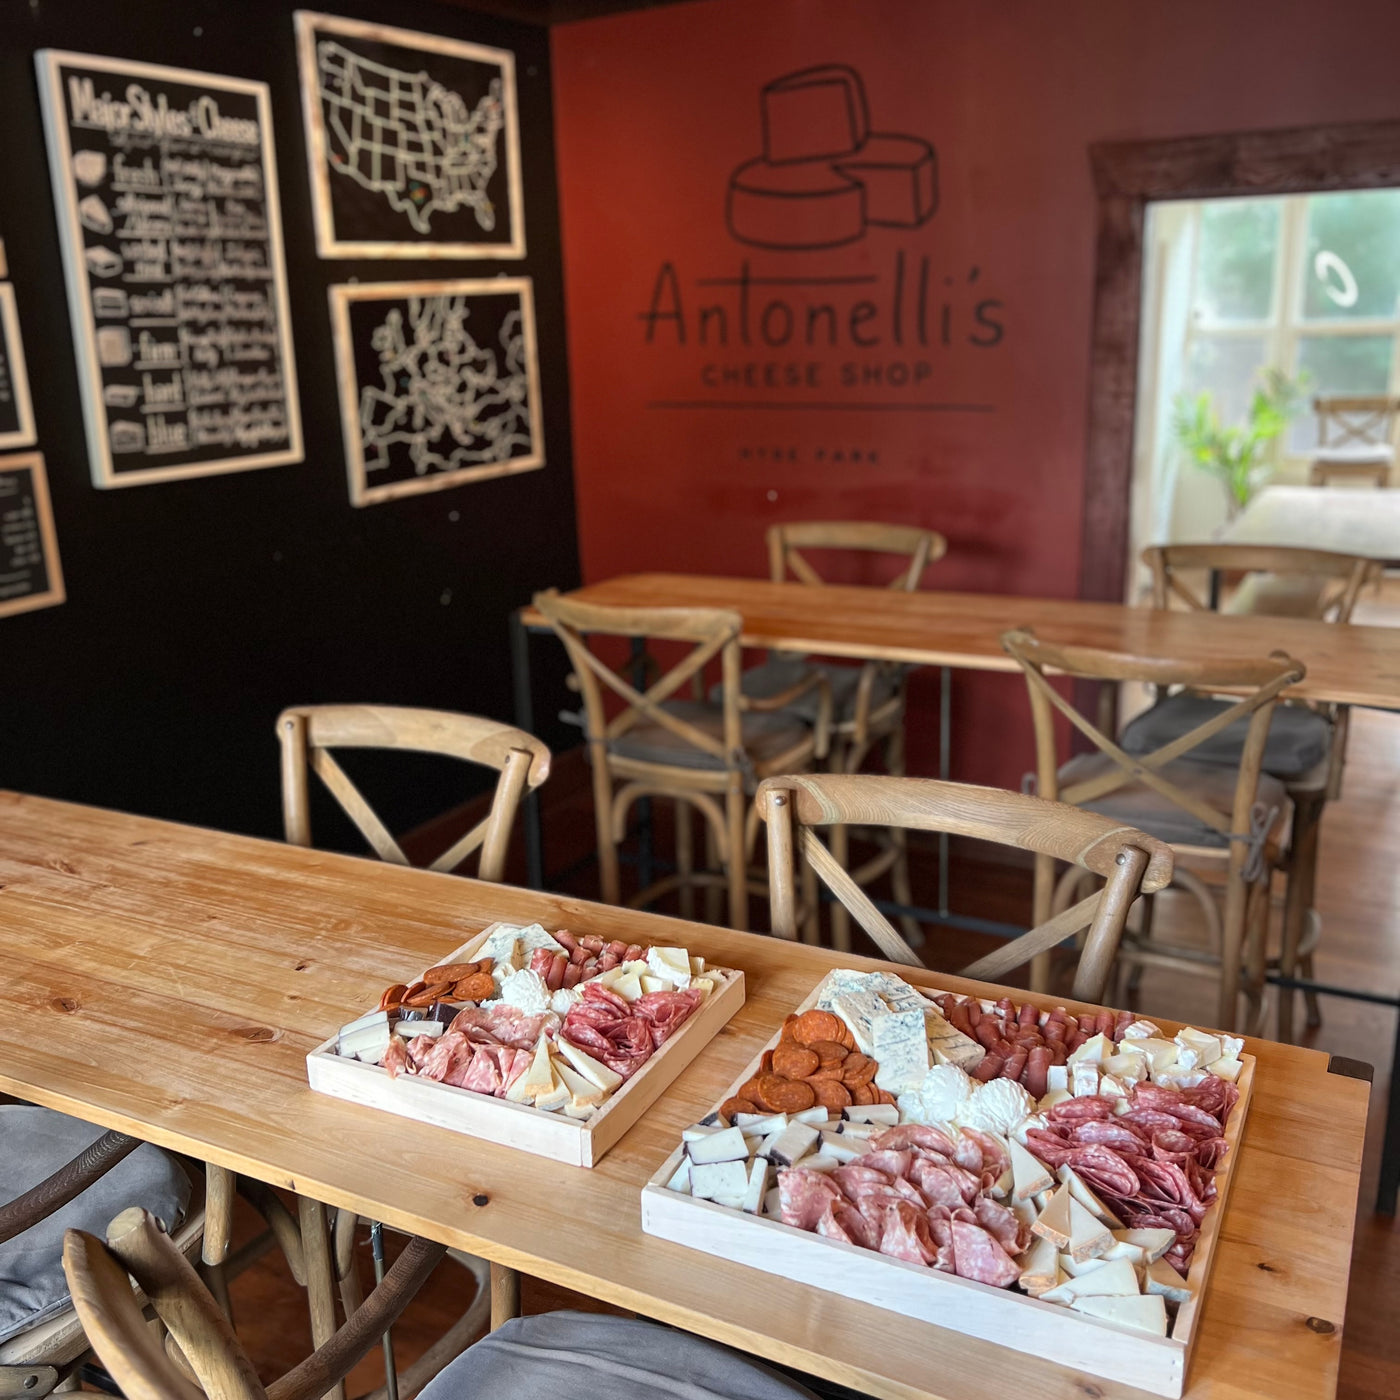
(1346, 665)
(168, 982)
(1351, 520)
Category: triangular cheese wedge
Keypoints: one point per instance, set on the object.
(1143, 1314)
(1039, 1269)
(1163, 1279)
(1115, 1280)
(1088, 1238)
(1053, 1222)
(1028, 1175)
(1081, 1193)
(1154, 1242)
(584, 1092)
(587, 1066)
(539, 1078)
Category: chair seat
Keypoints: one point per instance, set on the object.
(765, 737)
(1137, 804)
(780, 673)
(593, 1356)
(1299, 739)
(1361, 454)
(35, 1143)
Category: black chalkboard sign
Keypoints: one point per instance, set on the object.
(413, 142)
(16, 414)
(30, 574)
(166, 189)
(439, 383)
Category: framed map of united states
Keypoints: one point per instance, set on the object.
(413, 142)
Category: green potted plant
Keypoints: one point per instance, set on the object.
(1233, 453)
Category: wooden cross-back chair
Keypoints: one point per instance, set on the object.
(868, 700)
(1128, 861)
(1306, 748)
(194, 1352)
(1231, 820)
(699, 754)
(113, 1168)
(308, 733)
(1355, 438)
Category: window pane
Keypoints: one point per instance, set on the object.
(1227, 366)
(1353, 255)
(1339, 364)
(1235, 274)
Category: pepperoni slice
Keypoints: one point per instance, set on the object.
(786, 1095)
(795, 1061)
(737, 1105)
(831, 1094)
(817, 1025)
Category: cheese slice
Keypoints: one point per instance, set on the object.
(1053, 1223)
(1084, 1079)
(1133, 1253)
(1088, 1237)
(1154, 1243)
(1142, 1314)
(628, 987)
(1081, 1193)
(1163, 1279)
(588, 1067)
(719, 1181)
(539, 1078)
(1117, 1280)
(553, 1099)
(1039, 1268)
(1074, 1267)
(900, 1046)
(1028, 1175)
(757, 1187)
(583, 1091)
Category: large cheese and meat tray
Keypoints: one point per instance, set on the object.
(554, 1043)
(1048, 1181)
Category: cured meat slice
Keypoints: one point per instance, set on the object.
(452, 1048)
(940, 1224)
(1169, 1145)
(1098, 1132)
(994, 1156)
(664, 1011)
(1071, 1111)
(906, 1235)
(840, 1221)
(418, 1049)
(976, 1255)
(892, 1163)
(803, 1196)
(396, 1057)
(1052, 1149)
(853, 1178)
(967, 1154)
(938, 1184)
(1000, 1223)
(913, 1135)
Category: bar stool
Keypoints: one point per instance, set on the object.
(1355, 439)
(1231, 822)
(868, 700)
(1306, 748)
(702, 755)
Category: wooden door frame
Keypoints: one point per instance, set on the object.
(1127, 175)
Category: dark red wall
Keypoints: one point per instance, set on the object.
(654, 110)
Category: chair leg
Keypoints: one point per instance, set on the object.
(505, 1295)
(1232, 944)
(1302, 866)
(608, 878)
(685, 858)
(840, 843)
(734, 811)
(1257, 954)
(811, 903)
(713, 894)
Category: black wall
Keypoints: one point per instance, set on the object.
(198, 609)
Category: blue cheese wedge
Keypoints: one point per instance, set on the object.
(899, 1043)
(1145, 1314)
(514, 945)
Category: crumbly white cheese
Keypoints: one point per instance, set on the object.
(944, 1091)
(563, 999)
(526, 991)
(1141, 1030)
(997, 1106)
(671, 965)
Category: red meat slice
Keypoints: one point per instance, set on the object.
(906, 1235)
(803, 1196)
(976, 1255)
(907, 1135)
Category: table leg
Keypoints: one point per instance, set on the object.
(525, 719)
(320, 1278)
(505, 1295)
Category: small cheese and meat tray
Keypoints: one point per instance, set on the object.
(1050, 1181)
(554, 1043)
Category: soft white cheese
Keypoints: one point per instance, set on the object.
(671, 965)
(1162, 1053)
(1141, 1030)
(1200, 1047)
(1083, 1079)
(1111, 1087)
(563, 999)
(944, 1091)
(1127, 1068)
(1094, 1051)
(526, 991)
(1176, 1078)
(998, 1106)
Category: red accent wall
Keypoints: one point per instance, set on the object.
(970, 421)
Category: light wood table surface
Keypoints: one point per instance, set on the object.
(1351, 520)
(1346, 665)
(168, 982)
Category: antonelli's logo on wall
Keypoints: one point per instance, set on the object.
(840, 298)
(824, 177)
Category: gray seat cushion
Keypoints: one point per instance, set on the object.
(589, 1356)
(35, 1143)
(780, 673)
(1136, 804)
(765, 737)
(1298, 741)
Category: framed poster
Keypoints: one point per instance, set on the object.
(16, 411)
(166, 188)
(439, 384)
(413, 142)
(30, 573)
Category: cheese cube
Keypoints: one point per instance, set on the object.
(1057, 1077)
(724, 1181)
(1226, 1068)
(1084, 1079)
(652, 984)
(628, 987)
(1094, 1051)
(1141, 1030)
(1126, 1067)
(671, 965)
(1197, 1047)
(1162, 1053)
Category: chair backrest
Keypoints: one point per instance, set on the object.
(710, 632)
(1261, 679)
(1356, 419)
(1130, 861)
(308, 733)
(131, 1350)
(1346, 573)
(786, 543)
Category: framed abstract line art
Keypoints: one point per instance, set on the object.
(165, 183)
(413, 142)
(439, 384)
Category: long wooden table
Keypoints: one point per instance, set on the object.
(168, 982)
(1346, 665)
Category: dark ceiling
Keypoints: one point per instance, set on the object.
(546, 12)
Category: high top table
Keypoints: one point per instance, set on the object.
(168, 982)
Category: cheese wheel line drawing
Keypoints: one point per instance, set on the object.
(824, 177)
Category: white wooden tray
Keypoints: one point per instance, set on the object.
(580, 1143)
(1014, 1320)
